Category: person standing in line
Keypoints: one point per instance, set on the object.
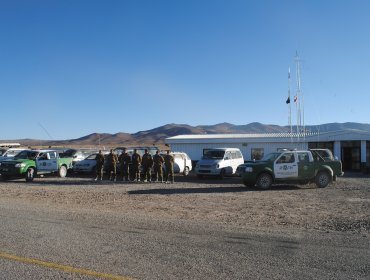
(125, 160)
(99, 165)
(136, 161)
(169, 162)
(112, 160)
(147, 163)
(158, 167)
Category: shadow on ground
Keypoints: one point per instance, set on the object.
(205, 190)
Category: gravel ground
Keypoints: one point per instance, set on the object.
(343, 206)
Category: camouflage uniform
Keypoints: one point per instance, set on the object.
(169, 162)
(136, 161)
(158, 171)
(125, 160)
(112, 160)
(147, 164)
(99, 166)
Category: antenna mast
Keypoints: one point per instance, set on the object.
(298, 99)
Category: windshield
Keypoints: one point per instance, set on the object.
(27, 155)
(214, 154)
(271, 157)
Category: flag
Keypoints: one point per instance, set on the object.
(288, 100)
(295, 99)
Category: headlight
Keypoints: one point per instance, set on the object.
(215, 165)
(248, 169)
(20, 165)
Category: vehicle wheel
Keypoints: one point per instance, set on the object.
(222, 174)
(186, 171)
(30, 174)
(264, 181)
(322, 179)
(62, 171)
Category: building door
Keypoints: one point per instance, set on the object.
(351, 159)
(346, 158)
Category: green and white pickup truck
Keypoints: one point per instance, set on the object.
(287, 167)
(29, 163)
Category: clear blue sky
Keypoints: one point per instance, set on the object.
(69, 68)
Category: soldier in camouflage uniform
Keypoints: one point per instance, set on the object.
(125, 160)
(99, 165)
(158, 170)
(147, 163)
(136, 161)
(169, 162)
(112, 160)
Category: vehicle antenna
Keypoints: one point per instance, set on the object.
(45, 131)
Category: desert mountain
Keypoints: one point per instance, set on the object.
(157, 135)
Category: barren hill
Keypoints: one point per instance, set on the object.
(156, 136)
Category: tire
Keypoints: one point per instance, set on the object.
(186, 171)
(264, 181)
(323, 179)
(30, 174)
(222, 174)
(62, 171)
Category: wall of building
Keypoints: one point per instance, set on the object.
(195, 150)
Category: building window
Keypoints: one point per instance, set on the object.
(257, 153)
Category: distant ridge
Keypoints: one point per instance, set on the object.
(156, 136)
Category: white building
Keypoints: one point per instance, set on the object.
(351, 146)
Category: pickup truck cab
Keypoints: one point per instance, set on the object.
(29, 163)
(291, 167)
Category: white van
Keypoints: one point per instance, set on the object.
(219, 162)
(182, 163)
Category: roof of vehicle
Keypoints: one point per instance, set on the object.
(178, 153)
(39, 150)
(223, 149)
(9, 144)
